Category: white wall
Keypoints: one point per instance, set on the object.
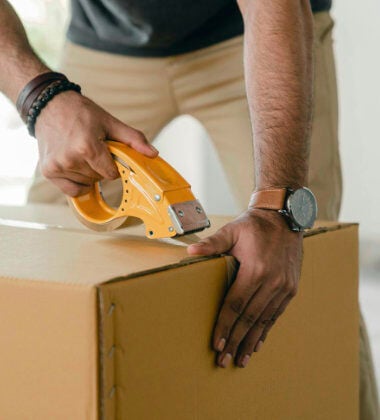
(357, 47)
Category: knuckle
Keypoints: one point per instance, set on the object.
(50, 168)
(248, 319)
(72, 190)
(293, 291)
(45, 172)
(264, 335)
(236, 305)
(266, 322)
(93, 155)
(260, 270)
(279, 312)
(75, 191)
(84, 150)
(276, 314)
(273, 320)
(277, 284)
(68, 163)
(288, 287)
(223, 231)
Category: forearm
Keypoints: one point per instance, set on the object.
(18, 62)
(278, 69)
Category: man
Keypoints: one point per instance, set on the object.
(146, 62)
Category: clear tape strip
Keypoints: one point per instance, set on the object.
(184, 240)
(28, 225)
(178, 241)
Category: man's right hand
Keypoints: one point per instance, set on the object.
(71, 131)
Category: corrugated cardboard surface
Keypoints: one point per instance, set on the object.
(163, 367)
(49, 351)
(79, 257)
(75, 346)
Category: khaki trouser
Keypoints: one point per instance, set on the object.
(208, 84)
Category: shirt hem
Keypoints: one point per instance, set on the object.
(82, 40)
(89, 40)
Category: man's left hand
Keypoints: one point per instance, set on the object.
(270, 257)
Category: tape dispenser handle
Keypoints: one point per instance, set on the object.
(91, 208)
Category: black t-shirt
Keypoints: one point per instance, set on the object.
(157, 28)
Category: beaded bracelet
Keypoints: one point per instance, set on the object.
(47, 95)
(33, 89)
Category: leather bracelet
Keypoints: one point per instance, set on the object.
(32, 90)
(44, 97)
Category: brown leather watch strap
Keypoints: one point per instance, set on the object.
(271, 199)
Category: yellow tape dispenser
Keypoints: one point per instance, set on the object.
(153, 191)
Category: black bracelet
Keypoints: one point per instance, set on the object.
(33, 89)
(47, 95)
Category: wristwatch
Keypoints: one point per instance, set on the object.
(299, 207)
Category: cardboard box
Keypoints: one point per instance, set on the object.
(116, 326)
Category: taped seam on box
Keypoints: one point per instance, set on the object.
(107, 392)
(326, 229)
(33, 281)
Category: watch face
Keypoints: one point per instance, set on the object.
(302, 208)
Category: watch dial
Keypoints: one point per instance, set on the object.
(302, 207)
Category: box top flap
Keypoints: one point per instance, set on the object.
(47, 243)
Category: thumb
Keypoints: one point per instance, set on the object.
(131, 137)
(219, 243)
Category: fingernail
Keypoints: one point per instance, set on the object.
(197, 244)
(195, 248)
(245, 360)
(221, 344)
(258, 346)
(226, 360)
(153, 148)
